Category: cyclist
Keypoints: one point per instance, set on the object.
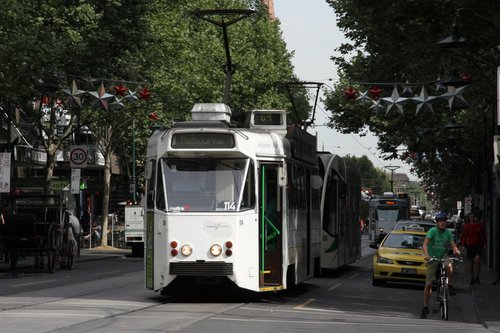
(436, 245)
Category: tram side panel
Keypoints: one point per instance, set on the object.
(303, 225)
(330, 241)
(354, 190)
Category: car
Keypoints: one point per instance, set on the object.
(400, 257)
(412, 224)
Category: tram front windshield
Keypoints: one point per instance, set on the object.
(387, 214)
(208, 184)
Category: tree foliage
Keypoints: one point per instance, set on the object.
(371, 177)
(397, 42)
(154, 43)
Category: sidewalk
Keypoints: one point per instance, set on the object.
(486, 297)
(102, 252)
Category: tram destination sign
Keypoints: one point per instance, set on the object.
(202, 140)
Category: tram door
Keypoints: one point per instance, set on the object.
(271, 226)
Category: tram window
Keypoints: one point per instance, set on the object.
(248, 199)
(216, 184)
(331, 206)
(150, 185)
(160, 192)
(316, 191)
(301, 188)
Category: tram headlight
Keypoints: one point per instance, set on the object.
(186, 250)
(216, 250)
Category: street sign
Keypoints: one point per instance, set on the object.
(75, 181)
(5, 163)
(468, 205)
(78, 156)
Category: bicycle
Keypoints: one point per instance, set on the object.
(442, 289)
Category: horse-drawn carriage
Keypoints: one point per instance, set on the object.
(37, 225)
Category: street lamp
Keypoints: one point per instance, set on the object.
(392, 168)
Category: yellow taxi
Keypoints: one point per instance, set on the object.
(400, 257)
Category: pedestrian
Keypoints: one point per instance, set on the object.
(474, 241)
(436, 245)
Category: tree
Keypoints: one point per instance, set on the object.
(404, 48)
(371, 177)
(155, 44)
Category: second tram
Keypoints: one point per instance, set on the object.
(384, 213)
(340, 204)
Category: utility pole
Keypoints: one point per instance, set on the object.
(392, 168)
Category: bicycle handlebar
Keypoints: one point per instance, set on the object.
(444, 259)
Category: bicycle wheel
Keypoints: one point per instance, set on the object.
(444, 303)
(438, 291)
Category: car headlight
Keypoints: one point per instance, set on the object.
(186, 250)
(216, 250)
(382, 260)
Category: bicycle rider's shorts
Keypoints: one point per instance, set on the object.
(432, 268)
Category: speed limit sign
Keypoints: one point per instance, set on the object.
(78, 157)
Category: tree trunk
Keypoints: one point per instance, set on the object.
(105, 196)
(51, 156)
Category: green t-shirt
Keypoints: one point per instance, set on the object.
(439, 240)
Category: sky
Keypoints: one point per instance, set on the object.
(309, 29)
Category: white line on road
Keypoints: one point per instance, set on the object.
(105, 273)
(344, 323)
(31, 283)
(353, 276)
(46, 314)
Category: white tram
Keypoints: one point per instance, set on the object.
(237, 203)
(340, 204)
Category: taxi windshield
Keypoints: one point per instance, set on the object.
(404, 241)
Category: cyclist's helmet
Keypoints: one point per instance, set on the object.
(441, 216)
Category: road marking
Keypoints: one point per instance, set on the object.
(353, 276)
(345, 323)
(309, 301)
(105, 273)
(334, 286)
(31, 283)
(47, 314)
(367, 268)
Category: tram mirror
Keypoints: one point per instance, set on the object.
(149, 169)
(281, 177)
(316, 182)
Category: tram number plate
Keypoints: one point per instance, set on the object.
(409, 270)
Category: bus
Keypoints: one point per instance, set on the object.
(246, 210)
(340, 207)
(384, 213)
